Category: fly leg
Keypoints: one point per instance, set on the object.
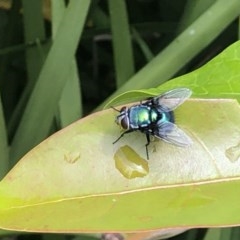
(128, 131)
(147, 131)
(146, 145)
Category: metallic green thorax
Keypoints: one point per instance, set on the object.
(142, 116)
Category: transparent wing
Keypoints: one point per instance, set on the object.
(171, 133)
(172, 99)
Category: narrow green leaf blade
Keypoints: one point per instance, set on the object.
(123, 52)
(4, 161)
(33, 29)
(70, 108)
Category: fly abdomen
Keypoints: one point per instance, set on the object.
(166, 117)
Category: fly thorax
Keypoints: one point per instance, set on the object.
(154, 116)
(139, 116)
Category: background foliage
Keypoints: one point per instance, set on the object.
(61, 60)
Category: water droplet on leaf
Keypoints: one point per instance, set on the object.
(129, 163)
(72, 157)
(233, 153)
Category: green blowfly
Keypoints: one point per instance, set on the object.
(155, 117)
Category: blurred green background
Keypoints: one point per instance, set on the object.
(60, 60)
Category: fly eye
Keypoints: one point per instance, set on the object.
(125, 123)
(123, 109)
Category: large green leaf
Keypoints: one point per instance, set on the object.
(71, 182)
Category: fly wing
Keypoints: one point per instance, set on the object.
(172, 99)
(171, 133)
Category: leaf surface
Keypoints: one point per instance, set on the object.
(71, 183)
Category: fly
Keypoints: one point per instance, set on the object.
(155, 117)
